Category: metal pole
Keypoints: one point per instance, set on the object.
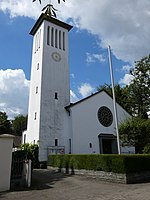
(114, 99)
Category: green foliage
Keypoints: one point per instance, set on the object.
(121, 94)
(19, 124)
(147, 149)
(31, 151)
(99, 162)
(139, 88)
(5, 125)
(136, 132)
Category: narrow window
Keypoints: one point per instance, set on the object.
(36, 91)
(24, 139)
(56, 142)
(48, 31)
(56, 95)
(56, 39)
(69, 146)
(39, 38)
(59, 39)
(33, 141)
(64, 41)
(38, 66)
(35, 115)
(90, 145)
(52, 37)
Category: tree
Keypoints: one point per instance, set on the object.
(136, 132)
(139, 88)
(121, 94)
(5, 124)
(19, 124)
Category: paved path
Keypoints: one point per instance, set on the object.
(50, 185)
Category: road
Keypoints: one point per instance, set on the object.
(51, 185)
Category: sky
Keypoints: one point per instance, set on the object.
(122, 24)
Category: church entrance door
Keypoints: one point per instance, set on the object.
(107, 143)
(107, 146)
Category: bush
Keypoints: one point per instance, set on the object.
(31, 151)
(147, 149)
(99, 162)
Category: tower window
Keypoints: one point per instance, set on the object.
(39, 38)
(52, 37)
(90, 145)
(56, 95)
(48, 32)
(64, 41)
(59, 39)
(37, 66)
(56, 142)
(35, 115)
(36, 91)
(56, 39)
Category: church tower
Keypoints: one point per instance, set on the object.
(50, 85)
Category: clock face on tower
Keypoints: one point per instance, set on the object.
(56, 56)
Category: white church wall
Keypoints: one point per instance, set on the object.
(49, 89)
(86, 126)
(32, 134)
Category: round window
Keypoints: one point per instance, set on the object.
(105, 116)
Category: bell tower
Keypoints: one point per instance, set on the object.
(50, 84)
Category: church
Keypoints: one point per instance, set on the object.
(55, 124)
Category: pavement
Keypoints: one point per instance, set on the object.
(48, 184)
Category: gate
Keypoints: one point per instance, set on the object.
(21, 170)
(17, 168)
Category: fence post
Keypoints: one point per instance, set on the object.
(27, 172)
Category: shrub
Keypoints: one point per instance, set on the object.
(31, 151)
(99, 162)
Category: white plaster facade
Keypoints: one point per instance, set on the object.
(86, 128)
(6, 144)
(52, 120)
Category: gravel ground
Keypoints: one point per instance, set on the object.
(51, 185)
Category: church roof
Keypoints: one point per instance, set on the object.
(73, 104)
(103, 90)
(43, 17)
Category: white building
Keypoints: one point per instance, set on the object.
(56, 125)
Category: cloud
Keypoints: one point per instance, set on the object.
(73, 97)
(126, 68)
(126, 79)
(92, 58)
(122, 24)
(85, 90)
(14, 90)
(72, 76)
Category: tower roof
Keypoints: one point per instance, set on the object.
(43, 17)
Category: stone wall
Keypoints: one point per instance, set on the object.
(110, 176)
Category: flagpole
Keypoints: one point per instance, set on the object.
(114, 99)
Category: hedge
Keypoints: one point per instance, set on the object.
(102, 162)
